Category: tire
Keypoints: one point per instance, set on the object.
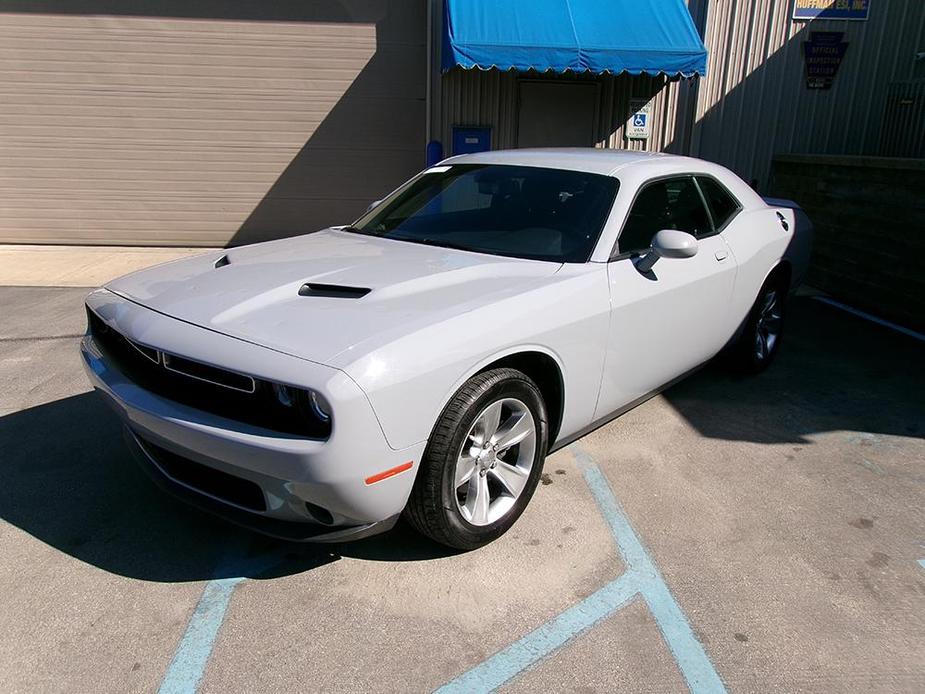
(760, 339)
(458, 513)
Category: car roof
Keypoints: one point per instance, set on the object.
(590, 159)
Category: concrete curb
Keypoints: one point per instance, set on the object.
(79, 266)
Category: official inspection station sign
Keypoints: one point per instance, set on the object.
(831, 9)
(823, 54)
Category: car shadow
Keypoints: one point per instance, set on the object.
(69, 480)
(834, 372)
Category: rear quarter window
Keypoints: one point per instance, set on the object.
(723, 206)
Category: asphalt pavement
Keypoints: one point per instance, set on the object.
(748, 534)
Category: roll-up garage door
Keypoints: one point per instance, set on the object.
(161, 123)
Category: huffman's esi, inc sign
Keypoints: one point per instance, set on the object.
(831, 9)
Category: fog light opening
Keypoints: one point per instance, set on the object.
(322, 515)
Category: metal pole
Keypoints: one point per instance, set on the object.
(430, 61)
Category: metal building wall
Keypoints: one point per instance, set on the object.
(490, 98)
(175, 122)
(904, 121)
(754, 102)
(486, 98)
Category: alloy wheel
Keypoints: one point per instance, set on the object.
(494, 461)
(767, 329)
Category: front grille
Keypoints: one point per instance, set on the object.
(205, 479)
(209, 374)
(208, 388)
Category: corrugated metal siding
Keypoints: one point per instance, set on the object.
(904, 121)
(484, 98)
(754, 102)
(490, 98)
(204, 131)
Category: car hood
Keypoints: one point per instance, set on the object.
(253, 292)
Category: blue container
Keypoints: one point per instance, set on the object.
(468, 140)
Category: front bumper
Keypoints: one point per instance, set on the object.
(310, 489)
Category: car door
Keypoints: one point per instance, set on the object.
(665, 322)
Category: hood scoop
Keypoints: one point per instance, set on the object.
(332, 291)
(221, 262)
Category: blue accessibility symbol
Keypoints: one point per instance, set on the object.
(639, 120)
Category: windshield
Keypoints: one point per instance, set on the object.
(519, 211)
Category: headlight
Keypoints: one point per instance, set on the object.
(303, 401)
(320, 406)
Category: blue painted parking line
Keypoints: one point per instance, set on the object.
(692, 660)
(642, 577)
(189, 662)
(192, 655)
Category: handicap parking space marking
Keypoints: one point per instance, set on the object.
(641, 578)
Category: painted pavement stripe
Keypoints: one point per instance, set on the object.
(689, 654)
(541, 642)
(873, 319)
(192, 655)
(189, 661)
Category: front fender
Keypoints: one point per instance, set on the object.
(410, 380)
(486, 362)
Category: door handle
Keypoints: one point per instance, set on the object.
(720, 255)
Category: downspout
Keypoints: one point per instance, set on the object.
(430, 63)
(693, 134)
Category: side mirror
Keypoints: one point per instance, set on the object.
(668, 243)
(374, 203)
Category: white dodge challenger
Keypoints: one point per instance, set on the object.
(427, 358)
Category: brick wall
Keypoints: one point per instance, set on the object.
(869, 215)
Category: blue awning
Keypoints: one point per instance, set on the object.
(633, 36)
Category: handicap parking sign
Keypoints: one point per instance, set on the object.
(637, 126)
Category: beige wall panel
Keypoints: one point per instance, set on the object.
(184, 127)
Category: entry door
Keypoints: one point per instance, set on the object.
(556, 114)
(674, 318)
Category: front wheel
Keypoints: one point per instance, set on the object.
(483, 461)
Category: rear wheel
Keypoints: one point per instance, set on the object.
(483, 461)
(760, 339)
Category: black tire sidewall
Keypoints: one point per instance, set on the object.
(505, 387)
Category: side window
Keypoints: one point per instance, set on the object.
(674, 203)
(722, 205)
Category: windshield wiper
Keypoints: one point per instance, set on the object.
(410, 239)
(354, 230)
(380, 230)
(435, 242)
